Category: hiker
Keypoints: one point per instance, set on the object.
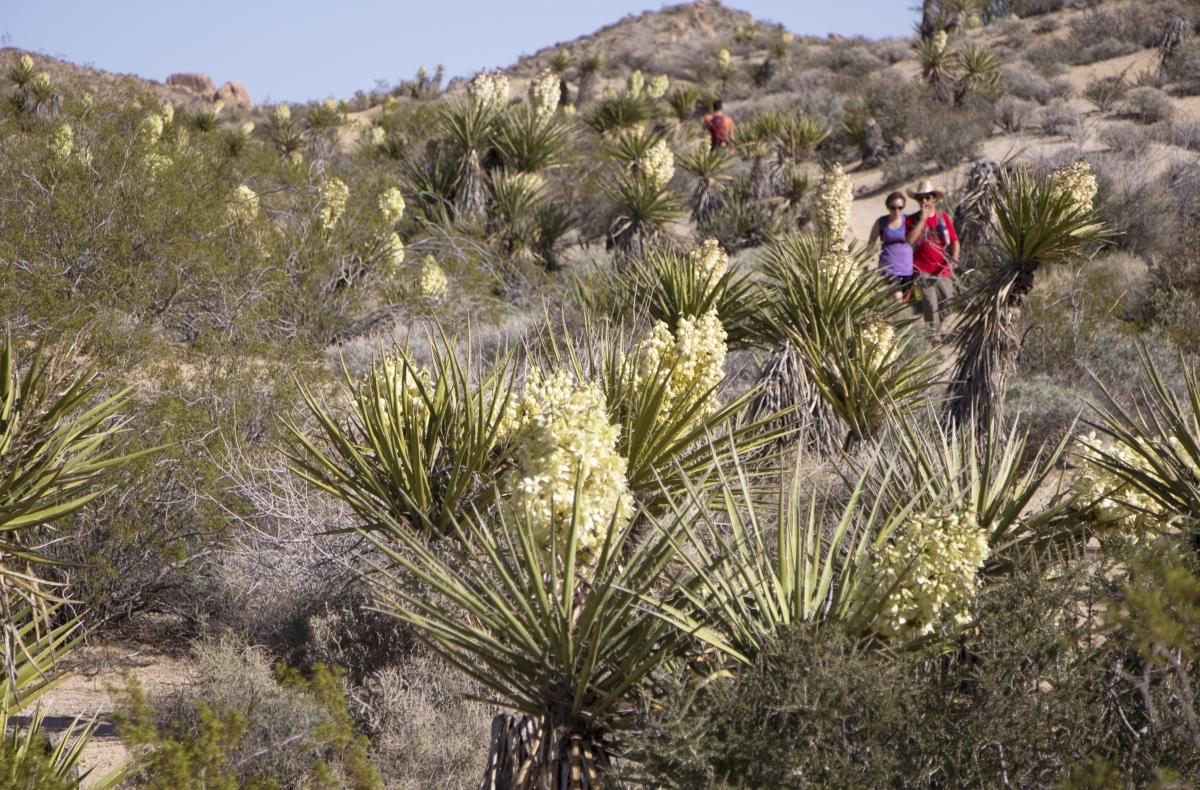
(896, 254)
(719, 126)
(935, 253)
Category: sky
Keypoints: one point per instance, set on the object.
(303, 49)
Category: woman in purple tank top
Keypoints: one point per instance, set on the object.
(896, 256)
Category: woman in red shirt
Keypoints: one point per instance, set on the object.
(935, 253)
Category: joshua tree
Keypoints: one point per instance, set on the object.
(589, 67)
(978, 72)
(644, 209)
(1035, 222)
(710, 166)
(938, 61)
(559, 65)
(468, 126)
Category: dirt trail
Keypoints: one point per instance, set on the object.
(85, 694)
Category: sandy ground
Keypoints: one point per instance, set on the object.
(85, 694)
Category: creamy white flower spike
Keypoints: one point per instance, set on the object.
(391, 205)
(488, 89)
(243, 206)
(723, 57)
(544, 94)
(433, 282)
(168, 113)
(692, 361)
(393, 253)
(835, 195)
(658, 164)
(155, 163)
(1119, 508)
(1078, 182)
(334, 194)
(282, 113)
(152, 128)
(565, 433)
(635, 83)
(711, 261)
(939, 40)
(879, 341)
(246, 129)
(658, 86)
(932, 568)
(62, 141)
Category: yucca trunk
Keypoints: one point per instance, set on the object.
(707, 201)
(987, 353)
(631, 238)
(526, 754)
(788, 390)
(471, 196)
(760, 180)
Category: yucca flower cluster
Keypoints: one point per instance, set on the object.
(400, 375)
(933, 565)
(243, 206)
(710, 260)
(432, 282)
(488, 89)
(723, 57)
(155, 164)
(1076, 180)
(282, 113)
(835, 195)
(940, 39)
(393, 252)
(246, 129)
(658, 164)
(152, 128)
(840, 264)
(1118, 507)
(544, 95)
(565, 436)
(62, 141)
(657, 87)
(334, 194)
(879, 340)
(391, 205)
(692, 360)
(634, 83)
(168, 113)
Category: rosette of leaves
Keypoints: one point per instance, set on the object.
(527, 143)
(643, 210)
(207, 117)
(1034, 223)
(589, 67)
(555, 221)
(283, 131)
(41, 96)
(710, 167)
(622, 110)
(415, 451)
(978, 72)
(670, 285)
(516, 211)
(431, 179)
(753, 575)
(467, 126)
(632, 149)
(325, 121)
(797, 136)
(938, 62)
(752, 141)
(1161, 441)
(816, 312)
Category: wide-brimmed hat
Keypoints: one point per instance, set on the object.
(926, 187)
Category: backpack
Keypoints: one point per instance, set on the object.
(719, 128)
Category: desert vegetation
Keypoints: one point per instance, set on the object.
(501, 432)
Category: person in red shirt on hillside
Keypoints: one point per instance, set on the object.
(935, 253)
(719, 126)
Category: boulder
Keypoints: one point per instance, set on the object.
(234, 94)
(199, 84)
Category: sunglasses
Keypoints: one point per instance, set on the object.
(896, 206)
(927, 197)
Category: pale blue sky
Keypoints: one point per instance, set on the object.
(306, 49)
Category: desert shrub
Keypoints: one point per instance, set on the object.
(1028, 8)
(904, 167)
(1047, 24)
(1043, 408)
(1034, 683)
(1058, 117)
(1148, 104)
(954, 137)
(1013, 114)
(1023, 81)
(892, 51)
(1107, 49)
(1104, 92)
(1126, 139)
(1048, 56)
(1173, 292)
(897, 104)
(855, 59)
(1137, 204)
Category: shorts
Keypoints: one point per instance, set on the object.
(900, 282)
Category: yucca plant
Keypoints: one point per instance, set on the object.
(990, 472)
(851, 347)
(752, 576)
(938, 62)
(468, 127)
(589, 67)
(978, 72)
(622, 111)
(41, 96)
(555, 221)
(516, 211)
(56, 436)
(629, 147)
(560, 62)
(415, 450)
(682, 102)
(643, 210)
(528, 144)
(208, 117)
(753, 143)
(670, 285)
(798, 136)
(22, 72)
(567, 644)
(283, 131)
(1161, 441)
(710, 167)
(431, 179)
(1034, 223)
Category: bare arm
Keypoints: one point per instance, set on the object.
(954, 253)
(874, 234)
